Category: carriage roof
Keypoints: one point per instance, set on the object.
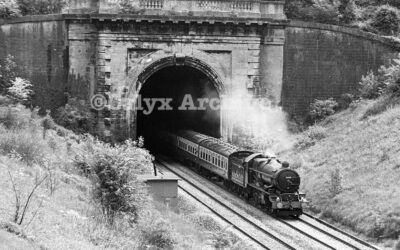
(193, 136)
(211, 143)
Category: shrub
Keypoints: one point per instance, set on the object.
(9, 9)
(224, 239)
(347, 11)
(30, 148)
(40, 7)
(380, 106)
(15, 117)
(320, 109)
(370, 86)
(386, 20)
(391, 77)
(310, 137)
(335, 187)
(323, 13)
(345, 100)
(20, 90)
(8, 73)
(47, 123)
(394, 3)
(115, 171)
(157, 236)
(387, 81)
(75, 116)
(293, 8)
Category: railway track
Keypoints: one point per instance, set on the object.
(255, 232)
(313, 229)
(343, 233)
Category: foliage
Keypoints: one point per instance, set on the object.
(293, 8)
(75, 116)
(311, 137)
(40, 7)
(8, 73)
(391, 77)
(115, 171)
(320, 109)
(29, 147)
(157, 235)
(335, 187)
(345, 100)
(370, 86)
(386, 20)
(126, 6)
(323, 13)
(347, 11)
(9, 9)
(22, 205)
(20, 90)
(47, 123)
(381, 105)
(387, 81)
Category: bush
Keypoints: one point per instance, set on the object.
(8, 73)
(381, 105)
(370, 86)
(391, 77)
(345, 100)
(75, 116)
(157, 236)
(394, 3)
(22, 143)
(20, 91)
(335, 187)
(310, 137)
(15, 117)
(40, 7)
(347, 11)
(293, 8)
(9, 9)
(224, 239)
(320, 109)
(386, 20)
(114, 171)
(387, 81)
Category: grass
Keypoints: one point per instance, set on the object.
(352, 175)
(66, 211)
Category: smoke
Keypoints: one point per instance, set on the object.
(256, 123)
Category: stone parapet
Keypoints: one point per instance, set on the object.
(203, 8)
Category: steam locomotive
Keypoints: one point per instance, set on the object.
(263, 180)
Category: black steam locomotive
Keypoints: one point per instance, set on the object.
(264, 181)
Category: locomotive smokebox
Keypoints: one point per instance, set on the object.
(275, 173)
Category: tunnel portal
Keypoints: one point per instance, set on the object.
(179, 85)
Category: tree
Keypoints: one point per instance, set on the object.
(40, 7)
(20, 90)
(8, 73)
(347, 11)
(386, 20)
(9, 8)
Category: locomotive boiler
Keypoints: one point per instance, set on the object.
(264, 180)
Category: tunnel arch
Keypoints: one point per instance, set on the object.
(180, 60)
(156, 62)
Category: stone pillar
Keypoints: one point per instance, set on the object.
(271, 62)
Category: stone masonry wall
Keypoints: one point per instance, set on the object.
(323, 61)
(40, 49)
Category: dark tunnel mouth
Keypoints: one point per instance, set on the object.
(175, 85)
